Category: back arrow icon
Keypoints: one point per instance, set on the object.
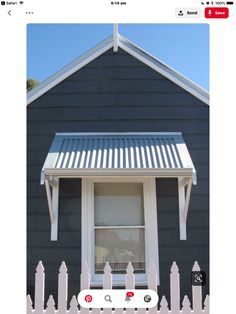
(9, 12)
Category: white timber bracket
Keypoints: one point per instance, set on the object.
(115, 37)
(184, 189)
(52, 190)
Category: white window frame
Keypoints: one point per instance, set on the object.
(150, 219)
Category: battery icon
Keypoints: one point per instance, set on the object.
(229, 2)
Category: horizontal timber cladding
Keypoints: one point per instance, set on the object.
(68, 246)
(109, 99)
(116, 93)
(154, 125)
(170, 247)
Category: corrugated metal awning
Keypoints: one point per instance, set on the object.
(157, 154)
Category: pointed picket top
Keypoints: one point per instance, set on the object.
(63, 268)
(129, 269)
(186, 306)
(186, 303)
(174, 268)
(73, 303)
(206, 304)
(29, 304)
(196, 266)
(85, 268)
(40, 268)
(51, 303)
(107, 268)
(164, 304)
(73, 306)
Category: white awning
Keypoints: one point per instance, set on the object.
(162, 155)
(156, 154)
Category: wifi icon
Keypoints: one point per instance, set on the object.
(21, 2)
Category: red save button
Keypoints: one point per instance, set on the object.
(216, 13)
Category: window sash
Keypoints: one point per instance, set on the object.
(150, 218)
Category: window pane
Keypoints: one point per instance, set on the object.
(118, 204)
(118, 247)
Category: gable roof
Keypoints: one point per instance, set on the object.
(130, 48)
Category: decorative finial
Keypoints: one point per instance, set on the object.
(115, 37)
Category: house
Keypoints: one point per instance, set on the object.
(118, 156)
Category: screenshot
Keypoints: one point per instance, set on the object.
(117, 132)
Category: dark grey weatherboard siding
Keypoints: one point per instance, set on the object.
(117, 93)
(51, 253)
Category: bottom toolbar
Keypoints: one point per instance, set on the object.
(120, 298)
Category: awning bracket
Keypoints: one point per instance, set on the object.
(52, 190)
(184, 199)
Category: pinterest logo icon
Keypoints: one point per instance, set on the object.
(88, 298)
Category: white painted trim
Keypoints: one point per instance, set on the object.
(52, 191)
(49, 199)
(151, 233)
(115, 38)
(151, 222)
(187, 200)
(182, 224)
(87, 223)
(156, 172)
(55, 202)
(184, 199)
(135, 51)
(117, 133)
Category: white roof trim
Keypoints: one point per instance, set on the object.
(133, 50)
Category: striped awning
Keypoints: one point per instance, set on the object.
(158, 154)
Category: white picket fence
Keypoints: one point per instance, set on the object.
(174, 308)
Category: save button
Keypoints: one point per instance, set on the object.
(216, 13)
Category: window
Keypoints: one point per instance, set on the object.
(119, 225)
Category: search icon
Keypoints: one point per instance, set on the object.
(108, 298)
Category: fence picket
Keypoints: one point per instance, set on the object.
(164, 306)
(197, 293)
(186, 306)
(84, 283)
(73, 306)
(174, 289)
(29, 304)
(107, 283)
(107, 277)
(130, 282)
(206, 305)
(152, 277)
(50, 306)
(152, 283)
(39, 288)
(62, 289)
(129, 277)
(85, 277)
